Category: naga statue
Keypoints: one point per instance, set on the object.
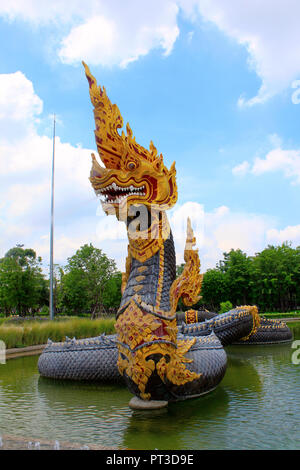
(160, 355)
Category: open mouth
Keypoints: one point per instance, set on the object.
(116, 194)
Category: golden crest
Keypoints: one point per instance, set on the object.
(188, 284)
(131, 172)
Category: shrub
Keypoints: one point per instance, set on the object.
(44, 310)
(225, 306)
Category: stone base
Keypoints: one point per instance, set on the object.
(138, 404)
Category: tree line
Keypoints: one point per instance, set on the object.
(90, 282)
(270, 280)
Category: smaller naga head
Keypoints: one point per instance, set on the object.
(132, 175)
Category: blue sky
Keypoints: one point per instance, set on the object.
(214, 84)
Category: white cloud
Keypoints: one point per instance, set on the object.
(118, 32)
(22, 198)
(275, 140)
(102, 32)
(13, 86)
(219, 231)
(42, 11)
(25, 167)
(94, 40)
(241, 169)
(222, 229)
(291, 233)
(226, 230)
(19, 107)
(178, 220)
(270, 32)
(285, 161)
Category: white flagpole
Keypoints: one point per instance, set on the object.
(51, 307)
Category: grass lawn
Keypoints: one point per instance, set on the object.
(283, 315)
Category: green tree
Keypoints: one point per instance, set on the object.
(23, 288)
(10, 282)
(236, 267)
(214, 288)
(112, 293)
(179, 269)
(88, 275)
(270, 279)
(275, 278)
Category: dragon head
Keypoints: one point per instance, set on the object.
(132, 175)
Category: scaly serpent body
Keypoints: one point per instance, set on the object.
(269, 331)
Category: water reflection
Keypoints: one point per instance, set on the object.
(184, 425)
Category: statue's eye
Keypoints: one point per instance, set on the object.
(131, 166)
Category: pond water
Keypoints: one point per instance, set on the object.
(256, 406)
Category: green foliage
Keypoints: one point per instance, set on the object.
(90, 282)
(44, 311)
(275, 279)
(281, 315)
(270, 279)
(236, 269)
(23, 288)
(179, 269)
(112, 292)
(225, 306)
(214, 288)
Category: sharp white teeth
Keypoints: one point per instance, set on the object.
(124, 192)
